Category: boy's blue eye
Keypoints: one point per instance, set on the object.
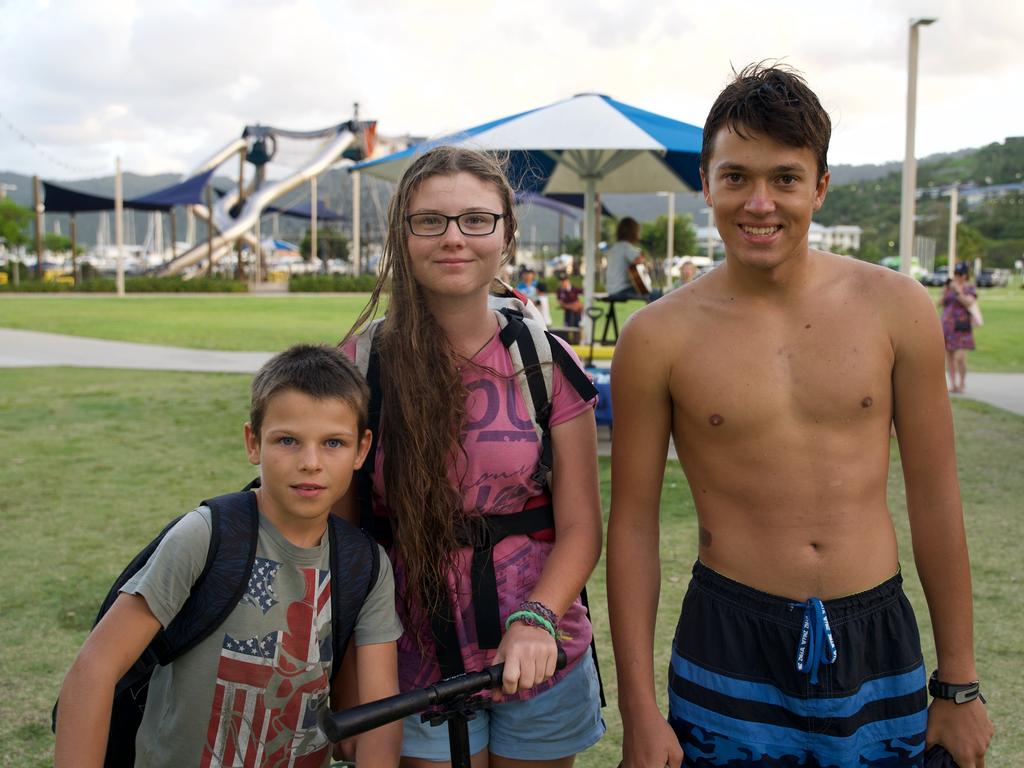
(334, 443)
(287, 441)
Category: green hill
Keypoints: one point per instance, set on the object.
(992, 230)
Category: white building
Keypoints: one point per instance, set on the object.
(841, 237)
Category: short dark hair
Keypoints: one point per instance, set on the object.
(316, 370)
(776, 102)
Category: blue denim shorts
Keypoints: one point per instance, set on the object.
(562, 721)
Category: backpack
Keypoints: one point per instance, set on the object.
(534, 351)
(234, 532)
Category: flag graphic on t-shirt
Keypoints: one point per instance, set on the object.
(269, 690)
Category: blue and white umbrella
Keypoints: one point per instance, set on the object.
(589, 143)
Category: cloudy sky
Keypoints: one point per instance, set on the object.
(165, 84)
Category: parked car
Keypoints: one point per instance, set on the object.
(936, 278)
(993, 278)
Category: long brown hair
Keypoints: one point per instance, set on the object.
(423, 405)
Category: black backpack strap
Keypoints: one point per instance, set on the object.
(446, 640)
(489, 531)
(355, 566)
(576, 377)
(364, 476)
(234, 532)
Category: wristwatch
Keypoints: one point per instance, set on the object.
(960, 693)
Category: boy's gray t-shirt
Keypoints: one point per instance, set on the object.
(252, 693)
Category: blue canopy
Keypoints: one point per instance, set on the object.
(589, 143)
(305, 211)
(565, 205)
(60, 199)
(555, 148)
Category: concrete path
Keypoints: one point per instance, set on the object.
(1003, 390)
(20, 349)
(25, 349)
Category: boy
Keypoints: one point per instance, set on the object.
(778, 375)
(255, 690)
(569, 300)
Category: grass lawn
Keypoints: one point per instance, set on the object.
(1000, 341)
(95, 461)
(270, 323)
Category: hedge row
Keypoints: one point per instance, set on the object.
(331, 283)
(133, 285)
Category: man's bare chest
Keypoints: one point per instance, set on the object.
(752, 376)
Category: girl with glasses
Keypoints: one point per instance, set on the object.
(457, 454)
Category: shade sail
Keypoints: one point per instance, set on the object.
(60, 199)
(304, 211)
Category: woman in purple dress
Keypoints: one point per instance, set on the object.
(958, 298)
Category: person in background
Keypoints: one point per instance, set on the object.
(527, 284)
(543, 304)
(688, 272)
(569, 300)
(959, 305)
(620, 257)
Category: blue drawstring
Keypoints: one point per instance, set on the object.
(816, 644)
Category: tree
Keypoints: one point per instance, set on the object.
(330, 244)
(654, 236)
(970, 243)
(14, 221)
(572, 245)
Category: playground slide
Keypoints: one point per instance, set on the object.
(232, 228)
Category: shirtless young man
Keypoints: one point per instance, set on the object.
(778, 375)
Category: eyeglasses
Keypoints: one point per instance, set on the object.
(471, 224)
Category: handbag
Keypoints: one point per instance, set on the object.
(962, 326)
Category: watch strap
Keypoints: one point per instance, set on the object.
(960, 693)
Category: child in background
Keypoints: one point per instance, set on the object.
(569, 300)
(543, 304)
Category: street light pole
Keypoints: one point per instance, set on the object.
(954, 198)
(909, 161)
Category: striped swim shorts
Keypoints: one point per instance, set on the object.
(759, 680)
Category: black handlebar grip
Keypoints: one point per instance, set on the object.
(366, 717)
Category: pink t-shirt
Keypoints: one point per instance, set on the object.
(501, 453)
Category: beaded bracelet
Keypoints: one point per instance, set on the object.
(543, 610)
(531, 619)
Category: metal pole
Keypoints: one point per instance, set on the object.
(671, 245)
(711, 226)
(209, 229)
(257, 267)
(74, 246)
(119, 227)
(37, 204)
(954, 201)
(241, 178)
(907, 201)
(174, 235)
(12, 259)
(589, 248)
(312, 218)
(357, 226)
